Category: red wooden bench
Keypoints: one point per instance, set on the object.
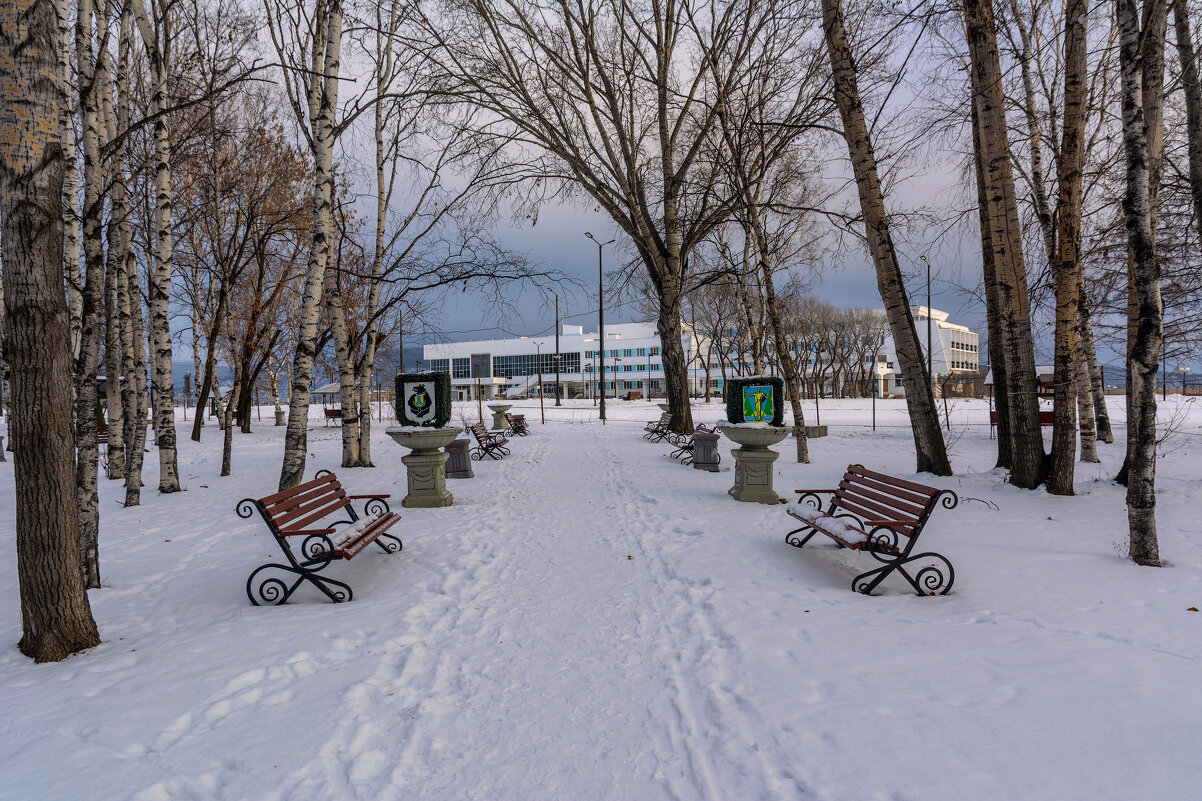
(333, 414)
(517, 424)
(303, 512)
(488, 443)
(880, 515)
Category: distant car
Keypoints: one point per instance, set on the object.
(633, 394)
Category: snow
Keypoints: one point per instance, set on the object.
(841, 527)
(591, 620)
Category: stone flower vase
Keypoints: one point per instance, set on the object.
(425, 466)
(753, 461)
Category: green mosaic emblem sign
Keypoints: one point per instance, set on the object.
(758, 404)
(755, 399)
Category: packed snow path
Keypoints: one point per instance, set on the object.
(591, 620)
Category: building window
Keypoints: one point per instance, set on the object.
(440, 365)
(461, 368)
(655, 351)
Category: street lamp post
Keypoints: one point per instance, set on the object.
(930, 342)
(557, 384)
(600, 318)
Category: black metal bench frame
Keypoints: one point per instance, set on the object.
(685, 450)
(517, 425)
(305, 505)
(887, 510)
(658, 429)
(488, 443)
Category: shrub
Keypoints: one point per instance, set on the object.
(425, 385)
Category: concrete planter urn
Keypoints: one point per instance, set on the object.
(281, 417)
(753, 460)
(425, 467)
(499, 423)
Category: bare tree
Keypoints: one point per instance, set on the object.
(929, 447)
(1145, 339)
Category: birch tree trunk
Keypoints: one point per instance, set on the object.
(1146, 338)
(1193, 103)
(346, 366)
(114, 259)
(66, 127)
(1090, 352)
(86, 366)
(159, 280)
(1067, 269)
(56, 618)
(1017, 346)
(920, 400)
(323, 103)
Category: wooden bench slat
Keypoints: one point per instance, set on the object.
(889, 489)
(299, 488)
(885, 505)
(921, 489)
(281, 509)
(323, 512)
(288, 504)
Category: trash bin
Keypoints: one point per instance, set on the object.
(705, 451)
(458, 463)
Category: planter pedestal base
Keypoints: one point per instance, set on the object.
(427, 480)
(753, 475)
(753, 462)
(425, 467)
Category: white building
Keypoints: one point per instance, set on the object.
(511, 367)
(956, 351)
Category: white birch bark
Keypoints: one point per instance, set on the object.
(87, 365)
(66, 132)
(159, 283)
(322, 99)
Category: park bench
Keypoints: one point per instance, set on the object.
(685, 444)
(1047, 418)
(488, 443)
(517, 425)
(303, 512)
(658, 429)
(333, 414)
(883, 516)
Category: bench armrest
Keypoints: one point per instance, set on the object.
(306, 532)
(361, 497)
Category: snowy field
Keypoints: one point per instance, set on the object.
(591, 620)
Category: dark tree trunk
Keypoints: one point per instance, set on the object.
(1067, 266)
(920, 399)
(55, 615)
(1017, 346)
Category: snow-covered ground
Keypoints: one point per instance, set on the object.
(591, 620)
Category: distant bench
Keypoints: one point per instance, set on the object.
(333, 414)
(883, 516)
(1045, 418)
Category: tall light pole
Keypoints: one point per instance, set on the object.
(557, 403)
(930, 342)
(600, 317)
